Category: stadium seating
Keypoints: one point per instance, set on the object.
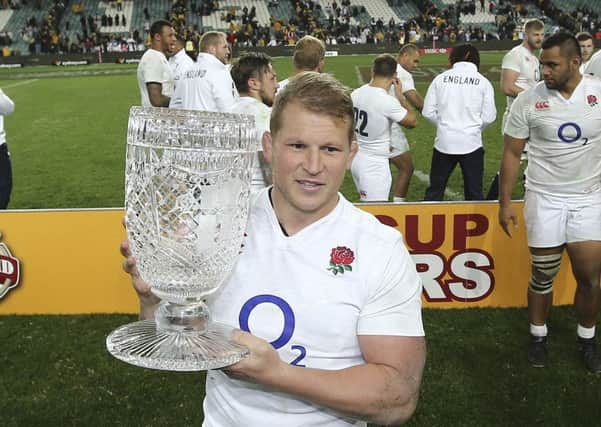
(111, 9)
(215, 22)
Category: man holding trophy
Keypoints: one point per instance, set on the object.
(325, 298)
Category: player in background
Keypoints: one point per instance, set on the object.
(256, 82)
(375, 111)
(561, 119)
(309, 55)
(587, 47)
(155, 79)
(207, 85)
(400, 156)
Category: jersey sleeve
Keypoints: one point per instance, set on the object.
(394, 301)
(511, 61)
(7, 106)
(407, 83)
(430, 110)
(517, 125)
(153, 72)
(394, 110)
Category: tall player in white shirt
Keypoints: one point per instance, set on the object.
(330, 295)
(561, 118)
(400, 156)
(155, 79)
(255, 80)
(207, 85)
(179, 62)
(520, 66)
(375, 111)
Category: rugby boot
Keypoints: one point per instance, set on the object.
(590, 354)
(537, 351)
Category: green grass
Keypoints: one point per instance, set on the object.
(55, 371)
(67, 136)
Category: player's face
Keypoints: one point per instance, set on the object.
(410, 61)
(222, 50)
(309, 156)
(534, 38)
(586, 49)
(168, 40)
(556, 68)
(269, 86)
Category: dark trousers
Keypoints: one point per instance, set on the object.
(6, 176)
(472, 168)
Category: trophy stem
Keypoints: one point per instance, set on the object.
(182, 338)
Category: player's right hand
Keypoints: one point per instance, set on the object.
(507, 217)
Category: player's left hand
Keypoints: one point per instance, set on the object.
(261, 365)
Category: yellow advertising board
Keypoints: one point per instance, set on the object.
(68, 261)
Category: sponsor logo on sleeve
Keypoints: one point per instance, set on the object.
(541, 105)
(592, 100)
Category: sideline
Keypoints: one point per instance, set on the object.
(26, 82)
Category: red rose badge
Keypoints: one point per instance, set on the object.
(592, 100)
(341, 259)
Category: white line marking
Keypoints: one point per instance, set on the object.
(20, 83)
(426, 179)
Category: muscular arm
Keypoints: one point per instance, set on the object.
(415, 99)
(383, 390)
(508, 79)
(157, 99)
(510, 168)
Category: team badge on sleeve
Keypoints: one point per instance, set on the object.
(592, 100)
(341, 259)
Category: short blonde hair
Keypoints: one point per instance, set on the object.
(308, 52)
(210, 38)
(318, 93)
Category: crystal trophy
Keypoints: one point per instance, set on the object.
(187, 187)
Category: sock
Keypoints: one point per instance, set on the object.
(398, 199)
(538, 330)
(586, 333)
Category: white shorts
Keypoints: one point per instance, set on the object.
(372, 177)
(552, 220)
(398, 141)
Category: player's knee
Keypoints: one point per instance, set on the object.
(544, 270)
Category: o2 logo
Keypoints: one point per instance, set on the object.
(570, 132)
(289, 322)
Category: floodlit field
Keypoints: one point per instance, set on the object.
(67, 136)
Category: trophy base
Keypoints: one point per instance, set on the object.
(142, 344)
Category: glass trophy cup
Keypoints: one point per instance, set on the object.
(187, 188)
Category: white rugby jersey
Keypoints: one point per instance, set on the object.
(262, 114)
(310, 295)
(154, 68)
(564, 137)
(522, 61)
(178, 63)
(7, 106)
(375, 110)
(593, 66)
(205, 86)
(282, 85)
(460, 102)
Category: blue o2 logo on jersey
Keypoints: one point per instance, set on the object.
(570, 132)
(289, 322)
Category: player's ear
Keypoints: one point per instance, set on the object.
(267, 143)
(354, 149)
